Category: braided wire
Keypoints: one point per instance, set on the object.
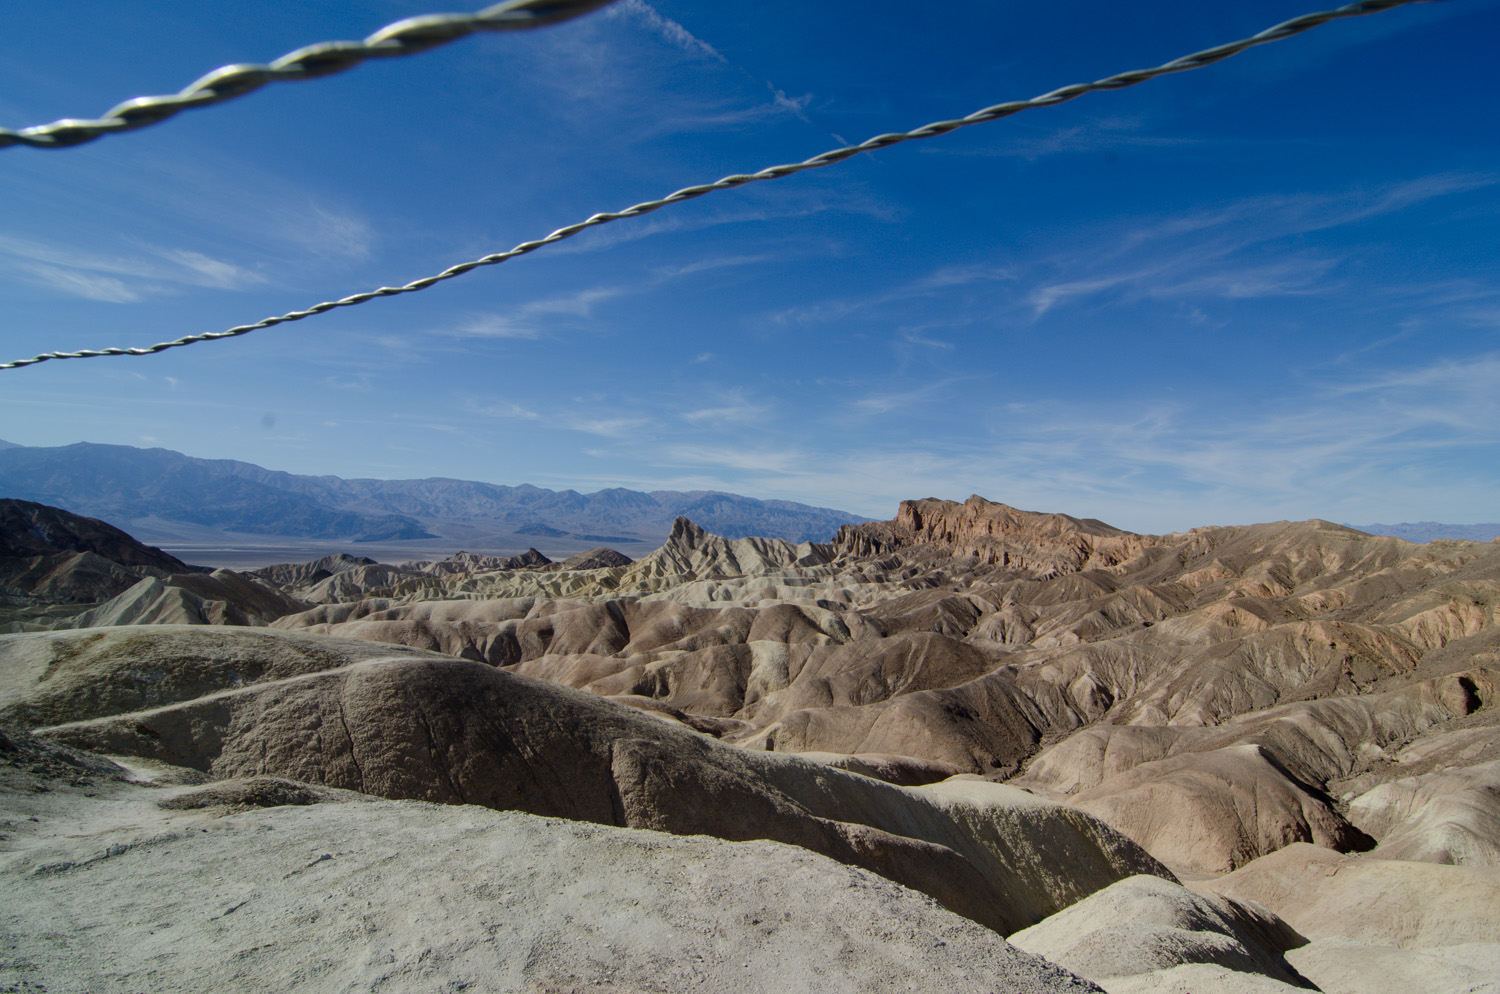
(1197, 60)
(405, 37)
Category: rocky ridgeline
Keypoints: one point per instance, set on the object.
(995, 534)
(1018, 714)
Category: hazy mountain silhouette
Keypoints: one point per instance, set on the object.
(1428, 531)
(159, 492)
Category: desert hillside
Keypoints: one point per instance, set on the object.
(1248, 758)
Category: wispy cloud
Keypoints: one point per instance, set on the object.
(616, 427)
(79, 283)
(1263, 218)
(212, 272)
(1091, 138)
(956, 276)
(796, 106)
(1044, 298)
(525, 321)
(666, 28)
(149, 197)
(736, 410)
(784, 205)
(579, 303)
(323, 230)
(1488, 317)
(1340, 445)
(522, 322)
(896, 400)
(1290, 278)
(725, 115)
(733, 457)
(707, 265)
(943, 280)
(508, 411)
(912, 338)
(496, 326)
(122, 278)
(1193, 276)
(1214, 253)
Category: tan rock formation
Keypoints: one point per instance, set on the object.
(1146, 924)
(1211, 812)
(51, 677)
(1045, 544)
(1343, 966)
(1448, 817)
(1379, 902)
(453, 731)
(221, 598)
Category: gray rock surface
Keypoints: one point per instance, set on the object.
(208, 890)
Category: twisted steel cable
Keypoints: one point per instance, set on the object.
(1197, 60)
(405, 37)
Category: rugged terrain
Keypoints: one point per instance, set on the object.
(1045, 724)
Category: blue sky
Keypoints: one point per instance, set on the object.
(1266, 289)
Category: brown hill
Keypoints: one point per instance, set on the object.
(28, 530)
(54, 564)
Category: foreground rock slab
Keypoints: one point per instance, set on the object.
(335, 892)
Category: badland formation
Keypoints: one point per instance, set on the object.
(972, 748)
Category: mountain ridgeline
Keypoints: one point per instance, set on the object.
(162, 495)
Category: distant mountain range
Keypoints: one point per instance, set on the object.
(1427, 531)
(164, 495)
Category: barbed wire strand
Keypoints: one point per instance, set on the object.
(1197, 60)
(404, 37)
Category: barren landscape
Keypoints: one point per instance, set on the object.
(376, 618)
(970, 748)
